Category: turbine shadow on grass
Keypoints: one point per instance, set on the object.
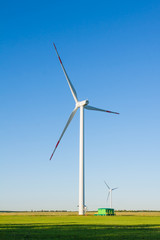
(73, 232)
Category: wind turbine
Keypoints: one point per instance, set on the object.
(110, 193)
(81, 105)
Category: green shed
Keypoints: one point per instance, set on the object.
(105, 211)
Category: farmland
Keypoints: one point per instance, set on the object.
(68, 225)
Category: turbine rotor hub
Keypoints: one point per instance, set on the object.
(82, 103)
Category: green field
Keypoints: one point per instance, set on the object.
(46, 226)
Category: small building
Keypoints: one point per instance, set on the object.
(105, 212)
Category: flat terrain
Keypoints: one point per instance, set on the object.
(68, 225)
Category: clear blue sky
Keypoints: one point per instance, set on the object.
(111, 51)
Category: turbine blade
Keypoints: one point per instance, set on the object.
(67, 124)
(108, 196)
(114, 188)
(98, 109)
(107, 185)
(73, 91)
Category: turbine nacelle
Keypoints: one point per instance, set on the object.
(82, 103)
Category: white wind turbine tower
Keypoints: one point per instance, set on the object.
(110, 193)
(81, 105)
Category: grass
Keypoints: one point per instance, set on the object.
(70, 226)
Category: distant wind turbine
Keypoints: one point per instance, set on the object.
(110, 193)
(81, 105)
